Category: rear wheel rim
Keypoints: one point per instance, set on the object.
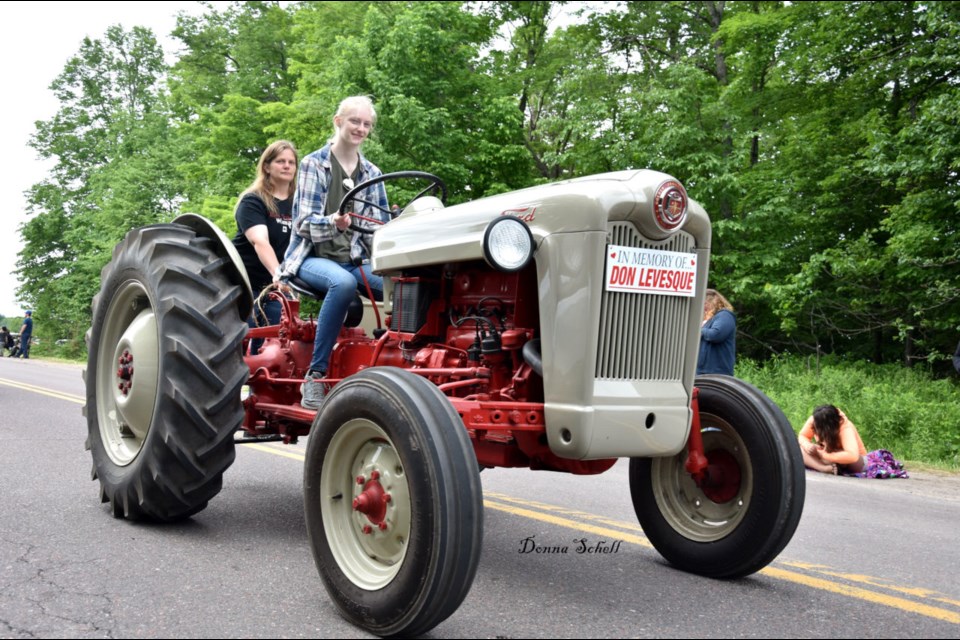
(127, 386)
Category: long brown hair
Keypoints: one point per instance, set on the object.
(826, 426)
(263, 185)
(713, 303)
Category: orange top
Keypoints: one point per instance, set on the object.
(850, 440)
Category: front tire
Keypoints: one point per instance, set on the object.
(738, 523)
(163, 374)
(393, 501)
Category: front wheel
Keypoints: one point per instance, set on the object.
(393, 502)
(739, 520)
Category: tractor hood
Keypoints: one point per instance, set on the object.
(428, 233)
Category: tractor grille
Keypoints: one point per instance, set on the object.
(643, 336)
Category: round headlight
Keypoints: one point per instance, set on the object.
(507, 244)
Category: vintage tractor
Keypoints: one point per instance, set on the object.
(554, 328)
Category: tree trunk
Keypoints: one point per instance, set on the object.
(909, 349)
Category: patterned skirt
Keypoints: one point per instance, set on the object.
(879, 464)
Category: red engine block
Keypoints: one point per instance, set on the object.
(463, 328)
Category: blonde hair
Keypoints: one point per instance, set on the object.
(354, 103)
(715, 302)
(262, 185)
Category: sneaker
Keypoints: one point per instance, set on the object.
(312, 391)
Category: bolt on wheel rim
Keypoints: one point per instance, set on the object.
(366, 504)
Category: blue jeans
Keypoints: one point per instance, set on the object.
(340, 283)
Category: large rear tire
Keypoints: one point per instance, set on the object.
(743, 518)
(163, 376)
(393, 500)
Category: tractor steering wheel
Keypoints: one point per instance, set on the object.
(436, 184)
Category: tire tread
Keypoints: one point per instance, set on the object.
(189, 444)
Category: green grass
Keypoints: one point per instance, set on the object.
(906, 411)
(73, 351)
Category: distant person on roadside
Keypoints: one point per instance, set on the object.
(6, 340)
(830, 443)
(26, 331)
(264, 215)
(956, 358)
(718, 336)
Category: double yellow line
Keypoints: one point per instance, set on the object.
(69, 397)
(632, 533)
(823, 578)
(882, 592)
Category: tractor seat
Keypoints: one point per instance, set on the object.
(354, 311)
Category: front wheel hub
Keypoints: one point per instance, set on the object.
(723, 477)
(372, 502)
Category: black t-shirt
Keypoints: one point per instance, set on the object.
(250, 213)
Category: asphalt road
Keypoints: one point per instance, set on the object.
(871, 558)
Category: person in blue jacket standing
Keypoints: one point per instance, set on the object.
(718, 336)
(26, 332)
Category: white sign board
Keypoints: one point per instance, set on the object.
(635, 270)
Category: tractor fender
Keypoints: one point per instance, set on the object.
(225, 249)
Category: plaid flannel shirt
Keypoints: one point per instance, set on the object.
(312, 226)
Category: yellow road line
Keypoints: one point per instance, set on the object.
(782, 574)
(509, 505)
(554, 515)
(872, 581)
(546, 513)
(864, 594)
(583, 515)
(46, 392)
(569, 524)
(275, 451)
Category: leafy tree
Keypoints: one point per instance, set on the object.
(821, 136)
(860, 77)
(437, 110)
(323, 38)
(235, 64)
(440, 111)
(106, 177)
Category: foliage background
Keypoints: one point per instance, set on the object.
(822, 137)
(904, 410)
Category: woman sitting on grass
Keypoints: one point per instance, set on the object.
(839, 450)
